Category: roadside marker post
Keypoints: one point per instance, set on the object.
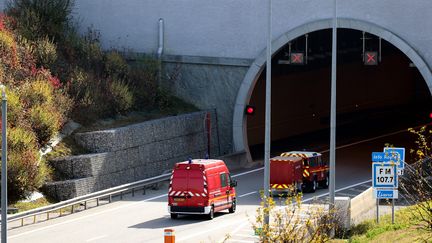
(169, 236)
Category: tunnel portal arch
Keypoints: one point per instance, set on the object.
(247, 86)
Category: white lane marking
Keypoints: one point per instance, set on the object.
(235, 231)
(248, 172)
(241, 241)
(246, 236)
(209, 230)
(367, 140)
(338, 190)
(96, 238)
(84, 217)
(247, 194)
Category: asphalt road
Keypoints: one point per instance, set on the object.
(143, 218)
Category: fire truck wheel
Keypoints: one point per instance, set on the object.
(325, 183)
(312, 185)
(233, 206)
(174, 216)
(211, 214)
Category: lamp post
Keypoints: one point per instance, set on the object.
(4, 167)
(267, 116)
(333, 112)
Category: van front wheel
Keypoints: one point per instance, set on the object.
(232, 209)
(211, 214)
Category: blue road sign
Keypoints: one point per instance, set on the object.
(386, 194)
(400, 151)
(384, 157)
(384, 175)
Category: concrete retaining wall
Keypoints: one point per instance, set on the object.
(130, 154)
(362, 206)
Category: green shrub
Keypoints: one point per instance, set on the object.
(83, 51)
(45, 122)
(64, 106)
(46, 52)
(8, 50)
(36, 19)
(143, 80)
(37, 92)
(15, 108)
(21, 140)
(115, 65)
(122, 96)
(25, 173)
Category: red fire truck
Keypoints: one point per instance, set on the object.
(304, 171)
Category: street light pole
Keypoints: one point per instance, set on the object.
(4, 168)
(333, 111)
(267, 116)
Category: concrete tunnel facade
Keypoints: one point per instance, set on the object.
(214, 51)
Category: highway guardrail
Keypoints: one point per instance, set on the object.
(96, 196)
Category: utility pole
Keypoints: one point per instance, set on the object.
(267, 115)
(4, 167)
(332, 184)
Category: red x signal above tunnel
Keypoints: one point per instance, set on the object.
(371, 58)
(297, 58)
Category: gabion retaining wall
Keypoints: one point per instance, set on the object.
(131, 153)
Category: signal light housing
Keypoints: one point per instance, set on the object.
(371, 58)
(250, 109)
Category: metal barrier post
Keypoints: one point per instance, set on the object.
(34, 219)
(97, 202)
(169, 236)
(133, 192)
(110, 199)
(22, 222)
(85, 205)
(121, 195)
(72, 210)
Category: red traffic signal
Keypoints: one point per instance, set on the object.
(371, 58)
(297, 58)
(250, 110)
(430, 115)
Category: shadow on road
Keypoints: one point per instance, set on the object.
(168, 222)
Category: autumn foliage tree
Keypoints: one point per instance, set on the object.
(416, 183)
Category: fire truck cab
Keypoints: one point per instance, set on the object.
(315, 171)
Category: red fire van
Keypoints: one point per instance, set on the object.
(201, 186)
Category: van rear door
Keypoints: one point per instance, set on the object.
(179, 185)
(196, 192)
(187, 188)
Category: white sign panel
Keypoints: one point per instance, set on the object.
(384, 175)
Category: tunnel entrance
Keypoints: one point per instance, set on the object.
(371, 99)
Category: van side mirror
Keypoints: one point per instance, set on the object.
(233, 184)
